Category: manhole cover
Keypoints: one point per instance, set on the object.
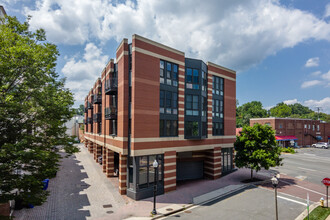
(107, 206)
(169, 209)
(109, 212)
(187, 211)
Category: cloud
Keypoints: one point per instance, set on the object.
(291, 101)
(323, 103)
(81, 74)
(326, 76)
(327, 11)
(311, 83)
(312, 62)
(316, 73)
(236, 34)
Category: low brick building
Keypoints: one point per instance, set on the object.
(301, 132)
(153, 103)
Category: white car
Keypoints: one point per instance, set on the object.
(321, 145)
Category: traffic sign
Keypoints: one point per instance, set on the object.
(326, 181)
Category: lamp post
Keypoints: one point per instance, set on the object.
(275, 183)
(155, 165)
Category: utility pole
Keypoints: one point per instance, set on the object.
(318, 112)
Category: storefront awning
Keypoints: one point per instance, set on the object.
(328, 137)
(285, 138)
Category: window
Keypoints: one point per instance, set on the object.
(99, 129)
(168, 128)
(313, 127)
(280, 126)
(217, 86)
(204, 106)
(227, 159)
(309, 126)
(318, 127)
(217, 128)
(267, 123)
(192, 78)
(204, 79)
(191, 129)
(168, 102)
(305, 126)
(192, 105)
(162, 101)
(146, 172)
(168, 73)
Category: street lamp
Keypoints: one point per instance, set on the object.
(275, 183)
(155, 165)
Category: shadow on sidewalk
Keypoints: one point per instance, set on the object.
(65, 200)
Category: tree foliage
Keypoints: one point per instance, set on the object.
(281, 110)
(256, 148)
(80, 110)
(34, 105)
(249, 110)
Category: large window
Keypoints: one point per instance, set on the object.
(191, 129)
(192, 105)
(192, 78)
(227, 159)
(146, 172)
(168, 128)
(168, 73)
(168, 102)
(217, 128)
(217, 106)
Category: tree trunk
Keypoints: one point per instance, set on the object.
(251, 174)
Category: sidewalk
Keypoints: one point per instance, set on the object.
(82, 191)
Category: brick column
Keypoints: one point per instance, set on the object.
(212, 163)
(110, 167)
(122, 174)
(86, 143)
(90, 146)
(97, 152)
(104, 159)
(169, 171)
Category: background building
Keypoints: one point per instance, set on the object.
(301, 132)
(155, 104)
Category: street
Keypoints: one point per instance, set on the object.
(254, 203)
(310, 164)
(301, 173)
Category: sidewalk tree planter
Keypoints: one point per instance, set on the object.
(256, 148)
(34, 105)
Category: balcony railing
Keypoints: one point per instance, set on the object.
(111, 113)
(97, 117)
(86, 110)
(97, 98)
(111, 86)
(89, 121)
(89, 105)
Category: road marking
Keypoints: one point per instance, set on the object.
(309, 154)
(291, 200)
(301, 177)
(303, 188)
(306, 169)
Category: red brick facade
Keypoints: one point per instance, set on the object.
(144, 93)
(306, 131)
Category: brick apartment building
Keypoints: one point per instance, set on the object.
(302, 132)
(155, 104)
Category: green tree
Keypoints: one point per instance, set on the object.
(257, 148)
(249, 110)
(80, 110)
(281, 110)
(34, 105)
(299, 109)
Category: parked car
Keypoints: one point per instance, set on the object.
(323, 145)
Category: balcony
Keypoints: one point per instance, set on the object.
(89, 121)
(89, 105)
(111, 113)
(111, 86)
(86, 110)
(97, 98)
(97, 117)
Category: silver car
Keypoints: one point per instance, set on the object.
(323, 145)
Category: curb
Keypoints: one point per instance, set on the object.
(304, 213)
(210, 199)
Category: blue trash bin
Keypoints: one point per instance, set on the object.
(45, 182)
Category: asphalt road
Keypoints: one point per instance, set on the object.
(309, 164)
(255, 203)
